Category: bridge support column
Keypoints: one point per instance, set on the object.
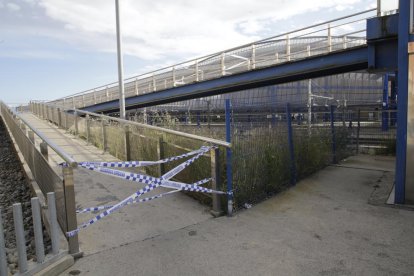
(404, 175)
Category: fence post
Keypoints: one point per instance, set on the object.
(70, 205)
(127, 135)
(20, 240)
(229, 170)
(104, 138)
(385, 105)
(43, 150)
(334, 160)
(3, 257)
(59, 121)
(54, 230)
(291, 146)
(76, 123)
(38, 230)
(358, 127)
(30, 134)
(88, 130)
(216, 181)
(160, 152)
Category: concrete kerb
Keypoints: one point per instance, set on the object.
(51, 263)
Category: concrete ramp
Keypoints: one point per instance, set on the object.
(132, 223)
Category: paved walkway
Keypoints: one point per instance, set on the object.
(132, 223)
(323, 226)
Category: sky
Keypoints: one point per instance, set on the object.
(54, 48)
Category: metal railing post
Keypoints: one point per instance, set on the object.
(196, 70)
(329, 39)
(223, 64)
(70, 205)
(3, 257)
(127, 134)
(59, 122)
(104, 136)
(160, 152)
(291, 146)
(88, 130)
(253, 56)
(358, 128)
(54, 230)
(44, 150)
(334, 160)
(136, 86)
(30, 134)
(76, 123)
(287, 48)
(20, 240)
(229, 169)
(216, 181)
(38, 230)
(154, 83)
(345, 42)
(174, 77)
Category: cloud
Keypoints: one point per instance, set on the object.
(165, 29)
(13, 7)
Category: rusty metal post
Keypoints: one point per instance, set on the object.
(127, 143)
(160, 152)
(44, 150)
(216, 182)
(70, 206)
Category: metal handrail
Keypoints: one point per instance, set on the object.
(68, 159)
(178, 133)
(217, 54)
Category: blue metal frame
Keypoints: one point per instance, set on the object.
(402, 104)
(385, 104)
(229, 170)
(352, 59)
(334, 159)
(291, 146)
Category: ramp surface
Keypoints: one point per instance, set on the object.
(132, 223)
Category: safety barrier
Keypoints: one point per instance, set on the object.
(48, 179)
(42, 260)
(126, 139)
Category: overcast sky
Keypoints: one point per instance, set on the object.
(53, 48)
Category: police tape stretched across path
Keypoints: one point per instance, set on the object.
(151, 182)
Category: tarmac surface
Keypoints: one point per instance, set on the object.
(323, 226)
(334, 222)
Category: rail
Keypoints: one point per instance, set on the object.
(68, 159)
(333, 35)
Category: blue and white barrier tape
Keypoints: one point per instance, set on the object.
(134, 164)
(94, 209)
(151, 182)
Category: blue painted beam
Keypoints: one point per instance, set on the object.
(402, 100)
(348, 60)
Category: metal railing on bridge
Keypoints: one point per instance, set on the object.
(330, 36)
